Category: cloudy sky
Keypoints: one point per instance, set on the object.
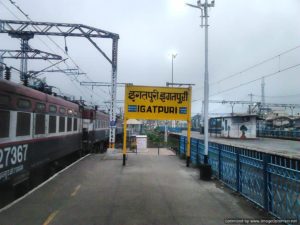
(242, 33)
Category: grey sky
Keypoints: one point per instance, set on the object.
(241, 34)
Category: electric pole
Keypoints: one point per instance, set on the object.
(251, 102)
(263, 84)
(173, 57)
(204, 15)
(1, 68)
(173, 121)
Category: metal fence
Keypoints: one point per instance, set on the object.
(279, 134)
(171, 129)
(270, 181)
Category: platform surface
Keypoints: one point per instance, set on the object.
(149, 190)
(287, 148)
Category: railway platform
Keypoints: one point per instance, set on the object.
(285, 148)
(150, 189)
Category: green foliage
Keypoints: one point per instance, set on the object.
(155, 136)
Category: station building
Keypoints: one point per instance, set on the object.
(241, 126)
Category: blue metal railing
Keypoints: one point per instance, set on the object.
(270, 181)
(171, 129)
(279, 134)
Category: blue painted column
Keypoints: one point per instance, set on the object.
(237, 151)
(267, 203)
(220, 161)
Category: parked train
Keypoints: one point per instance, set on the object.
(37, 129)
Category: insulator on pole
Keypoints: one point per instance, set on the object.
(7, 73)
(66, 47)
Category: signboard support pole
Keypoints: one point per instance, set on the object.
(188, 144)
(124, 141)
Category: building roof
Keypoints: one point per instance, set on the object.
(236, 115)
(134, 122)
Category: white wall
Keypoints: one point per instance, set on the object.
(234, 130)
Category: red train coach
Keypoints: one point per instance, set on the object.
(95, 126)
(35, 129)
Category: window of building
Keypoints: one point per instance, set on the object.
(52, 124)
(40, 124)
(4, 123)
(240, 119)
(62, 124)
(23, 124)
(75, 124)
(53, 108)
(24, 104)
(69, 124)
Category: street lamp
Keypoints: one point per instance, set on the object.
(204, 15)
(173, 55)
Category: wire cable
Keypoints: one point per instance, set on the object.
(251, 81)
(280, 96)
(253, 66)
(57, 45)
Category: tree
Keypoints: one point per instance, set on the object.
(155, 137)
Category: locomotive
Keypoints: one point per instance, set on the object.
(37, 129)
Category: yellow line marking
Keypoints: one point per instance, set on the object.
(50, 218)
(76, 190)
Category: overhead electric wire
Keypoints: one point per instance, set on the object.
(251, 67)
(7, 8)
(280, 96)
(251, 81)
(57, 45)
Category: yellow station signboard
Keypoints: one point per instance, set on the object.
(157, 103)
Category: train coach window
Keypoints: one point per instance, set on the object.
(41, 107)
(24, 104)
(4, 100)
(69, 124)
(75, 124)
(53, 108)
(62, 124)
(23, 124)
(52, 124)
(62, 110)
(4, 123)
(40, 124)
